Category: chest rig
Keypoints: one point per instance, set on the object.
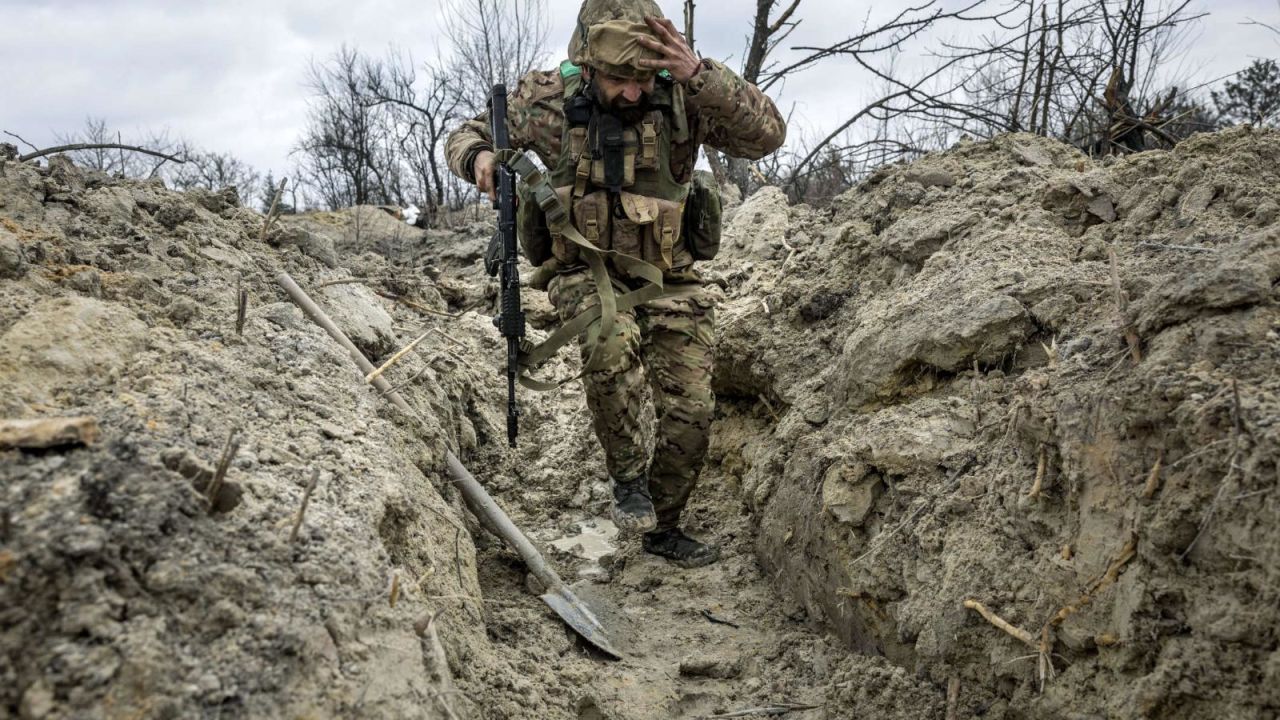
(615, 178)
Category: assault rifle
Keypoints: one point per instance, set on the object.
(502, 258)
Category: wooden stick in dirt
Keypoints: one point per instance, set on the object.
(242, 306)
(271, 213)
(1122, 308)
(224, 464)
(395, 358)
(302, 509)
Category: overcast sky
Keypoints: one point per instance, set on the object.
(227, 74)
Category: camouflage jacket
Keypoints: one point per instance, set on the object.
(724, 111)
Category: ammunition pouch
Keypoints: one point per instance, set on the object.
(702, 216)
(531, 227)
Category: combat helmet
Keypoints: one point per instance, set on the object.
(605, 36)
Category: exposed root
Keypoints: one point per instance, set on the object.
(1040, 472)
(1005, 625)
(1127, 553)
(393, 592)
(224, 463)
(953, 698)
(1153, 479)
(1122, 309)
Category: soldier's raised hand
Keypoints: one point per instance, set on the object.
(677, 57)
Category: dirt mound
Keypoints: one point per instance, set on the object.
(1012, 375)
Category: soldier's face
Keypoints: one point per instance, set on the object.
(622, 93)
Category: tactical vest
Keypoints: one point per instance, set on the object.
(633, 206)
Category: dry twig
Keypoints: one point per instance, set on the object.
(1122, 308)
(242, 306)
(395, 358)
(273, 211)
(306, 500)
(224, 464)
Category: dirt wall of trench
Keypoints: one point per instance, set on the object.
(1011, 374)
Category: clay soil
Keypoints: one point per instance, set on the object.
(1005, 374)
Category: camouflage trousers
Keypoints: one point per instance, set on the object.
(665, 344)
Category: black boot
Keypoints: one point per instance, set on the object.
(680, 549)
(632, 507)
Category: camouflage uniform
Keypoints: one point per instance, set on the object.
(666, 341)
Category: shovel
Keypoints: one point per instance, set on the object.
(568, 606)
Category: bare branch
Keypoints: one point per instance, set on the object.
(99, 146)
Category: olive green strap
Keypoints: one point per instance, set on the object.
(597, 321)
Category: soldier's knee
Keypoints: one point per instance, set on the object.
(693, 406)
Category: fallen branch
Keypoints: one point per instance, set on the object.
(98, 146)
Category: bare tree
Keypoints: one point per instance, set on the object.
(214, 171)
(1252, 96)
(494, 41)
(1090, 72)
(424, 108)
(347, 153)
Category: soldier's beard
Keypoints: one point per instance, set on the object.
(629, 113)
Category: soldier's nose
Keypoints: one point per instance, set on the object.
(632, 91)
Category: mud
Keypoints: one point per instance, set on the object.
(894, 372)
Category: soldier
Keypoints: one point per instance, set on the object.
(618, 126)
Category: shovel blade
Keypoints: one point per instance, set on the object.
(581, 618)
